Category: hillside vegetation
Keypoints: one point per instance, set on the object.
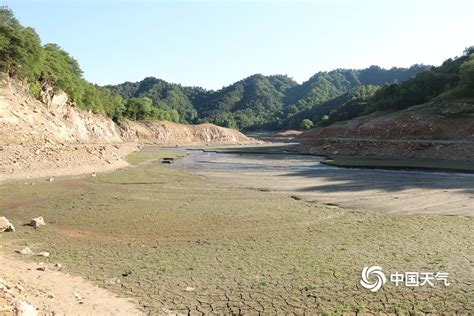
(266, 102)
(428, 117)
(48, 68)
(257, 102)
(452, 81)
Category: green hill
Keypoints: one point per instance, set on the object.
(256, 102)
(265, 102)
(453, 80)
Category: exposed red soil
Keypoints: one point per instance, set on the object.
(434, 131)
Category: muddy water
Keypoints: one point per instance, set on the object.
(305, 177)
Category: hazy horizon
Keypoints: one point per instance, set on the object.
(211, 45)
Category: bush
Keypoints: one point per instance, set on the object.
(35, 89)
(306, 124)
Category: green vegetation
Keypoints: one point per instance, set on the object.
(255, 103)
(266, 102)
(142, 109)
(306, 124)
(329, 111)
(169, 97)
(49, 67)
(453, 80)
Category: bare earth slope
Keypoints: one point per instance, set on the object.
(429, 131)
(38, 140)
(170, 134)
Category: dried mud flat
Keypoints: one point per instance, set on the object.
(191, 244)
(304, 177)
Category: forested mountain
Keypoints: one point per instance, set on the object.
(253, 101)
(319, 113)
(164, 95)
(265, 102)
(327, 85)
(256, 102)
(453, 80)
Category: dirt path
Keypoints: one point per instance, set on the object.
(54, 292)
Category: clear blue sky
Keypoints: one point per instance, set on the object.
(215, 43)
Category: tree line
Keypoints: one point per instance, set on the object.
(453, 80)
(48, 66)
(267, 102)
(257, 102)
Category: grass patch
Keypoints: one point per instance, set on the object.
(137, 158)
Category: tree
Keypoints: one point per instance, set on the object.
(467, 76)
(306, 124)
(139, 108)
(20, 48)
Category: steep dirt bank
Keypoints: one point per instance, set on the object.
(57, 138)
(429, 131)
(166, 133)
(26, 121)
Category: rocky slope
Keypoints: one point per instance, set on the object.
(429, 131)
(166, 133)
(57, 138)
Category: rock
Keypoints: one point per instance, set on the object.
(93, 175)
(24, 309)
(5, 225)
(114, 281)
(25, 251)
(77, 296)
(50, 179)
(41, 267)
(189, 289)
(58, 266)
(43, 254)
(37, 222)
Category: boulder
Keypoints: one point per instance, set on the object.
(5, 225)
(24, 309)
(25, 251)
(37, 222)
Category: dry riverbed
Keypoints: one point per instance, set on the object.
(305, 177)
(182, 242)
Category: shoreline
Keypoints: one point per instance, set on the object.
(63, 160)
